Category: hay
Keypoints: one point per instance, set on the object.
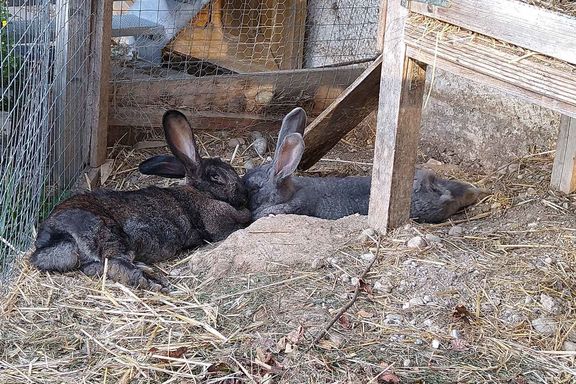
(482, 296)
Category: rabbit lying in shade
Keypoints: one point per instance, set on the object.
(272, 188)
(147, 225)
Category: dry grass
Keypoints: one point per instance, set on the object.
(567, 7)
(517, 245)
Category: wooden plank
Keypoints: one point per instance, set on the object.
(268, 94)
(397, 131)
(98, 99)
(345, 113)
(381, 25)
(564, 170)
(552, 87)
(294, 28)
(518, 23)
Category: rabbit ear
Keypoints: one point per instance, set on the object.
(164, 166)
(288, 157)
(181, 141)
(294, 122)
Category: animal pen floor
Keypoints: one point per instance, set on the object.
(490, 297)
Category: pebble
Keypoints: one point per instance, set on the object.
(532, 225)
(531, 191)
(426, 299)
(455, 333)
(548, 303)
(354, 281)
(393, 319)
(416, 301)
(249, 164)
(569, 346)
(544, 325)
(456, 231)
(368, 257)
(344, 278)
(418, 342)
(366, 234)
(548, 260)
(406, 363)
(434, 162)
(382, 286)
(528, 300)
(416, 242)
(260, 146)
(233, 143)
(432, 238)
(255, 135)
(318, 263)
(513, 168)
(435, 343)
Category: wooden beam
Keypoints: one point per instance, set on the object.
(345, 113)
(397, 132)
(564, 170)
(97, 102)
(552, 87)
(267, 94)
(518, 23)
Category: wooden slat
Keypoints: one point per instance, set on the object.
(98, 91)
(345, 113)
(564, 171)
(548, 86)
(522, 24)
(269, 94)
(381, 25)
(397, 131)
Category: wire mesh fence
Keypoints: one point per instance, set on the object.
(236, 63)
(45, 56)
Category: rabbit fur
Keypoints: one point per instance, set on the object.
(272, 188)
(132, 229)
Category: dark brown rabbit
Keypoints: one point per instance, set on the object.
(147, 225)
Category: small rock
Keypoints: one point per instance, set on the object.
(416, 242)
(393, 319)
(318, 263)
(366, 234)
(548, 303)
(528, 300)
(354, 281)
(406, 363)
(427, 323)
(455, 333)
(426, 299)
(416, 301)
(418, 342)
(456, 231)
(260, 146)
(434, 162)
(435, 343)
(255, 135)
(368, 257)
(432, 238)
(548, 260)
(233, 143)
(344, 278)
(532, 225)
(496, 205)
(249, 164)
(268, 159)
(569, 346)
(531, 191)
(382, 286)
(544, 325)
(405, 305)
(513, 168)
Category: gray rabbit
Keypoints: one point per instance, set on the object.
(147, 225)
(272, 189)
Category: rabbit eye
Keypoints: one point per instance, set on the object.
(215, 177)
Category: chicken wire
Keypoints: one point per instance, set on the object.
(45, 55)
(249, 60)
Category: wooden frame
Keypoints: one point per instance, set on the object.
(399, 108)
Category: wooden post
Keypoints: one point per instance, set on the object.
(99, 80)
(564, 170)
(397, 131)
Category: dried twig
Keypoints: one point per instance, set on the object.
(349, 304)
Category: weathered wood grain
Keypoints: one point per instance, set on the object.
(397, 132)
(564, 170)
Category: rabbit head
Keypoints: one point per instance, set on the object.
(271, 184)
(211, 175)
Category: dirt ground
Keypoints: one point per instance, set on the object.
(489, 297)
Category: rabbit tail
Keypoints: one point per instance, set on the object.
(55, 252)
